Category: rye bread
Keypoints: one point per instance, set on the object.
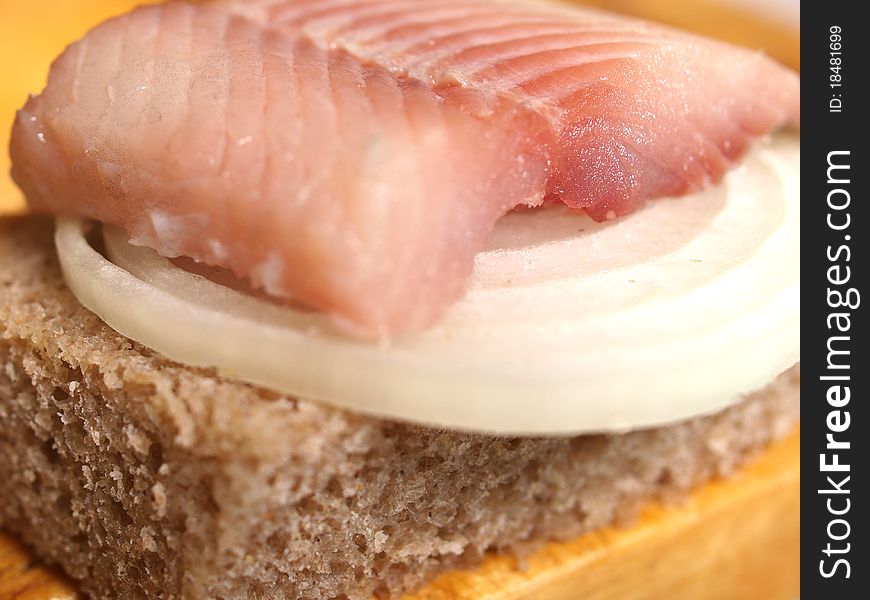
(143, 478)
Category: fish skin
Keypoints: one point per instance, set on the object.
(354, 154)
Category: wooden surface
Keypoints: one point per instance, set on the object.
(24, 578)
(735, 539)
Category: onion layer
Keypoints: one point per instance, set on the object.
(569, 326)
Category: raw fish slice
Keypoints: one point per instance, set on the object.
(640, 111)
(355, 154)
(310, 194)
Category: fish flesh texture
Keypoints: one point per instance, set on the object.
(354, 154)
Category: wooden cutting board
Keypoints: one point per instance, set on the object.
(734, 539)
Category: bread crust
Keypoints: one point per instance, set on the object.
(143, 478)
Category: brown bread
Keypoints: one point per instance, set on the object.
(143, 478)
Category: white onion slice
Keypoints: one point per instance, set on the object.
(569, 326)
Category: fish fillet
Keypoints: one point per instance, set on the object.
(355, 154)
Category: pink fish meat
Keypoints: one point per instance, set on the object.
(354, 154)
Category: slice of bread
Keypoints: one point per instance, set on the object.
(147, 479)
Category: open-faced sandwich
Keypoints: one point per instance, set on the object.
(345, 293)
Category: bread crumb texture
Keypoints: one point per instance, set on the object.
(143, 478)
